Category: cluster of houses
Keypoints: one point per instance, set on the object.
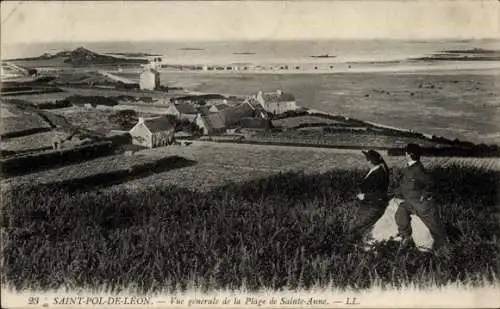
(213, 117)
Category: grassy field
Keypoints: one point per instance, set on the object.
(360, 139)
(295, 121)
(43, 97)
(28, 142)
(89, 118)
(17, 120)
(283, 231)
(81, 170)
(112, 92)
(217, 164)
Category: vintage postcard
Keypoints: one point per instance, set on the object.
(239, 154)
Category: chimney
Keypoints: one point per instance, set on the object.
(260, 98)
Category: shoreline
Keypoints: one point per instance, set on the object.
(469, 68)
(408, 70)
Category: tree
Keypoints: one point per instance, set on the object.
(126, 118)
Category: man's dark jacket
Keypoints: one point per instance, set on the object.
(416, 183)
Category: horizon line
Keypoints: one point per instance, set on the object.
(260, 40)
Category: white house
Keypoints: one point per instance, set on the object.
(277, 102)
(153, 132)
(149, 78)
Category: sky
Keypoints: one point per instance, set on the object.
(24, 22)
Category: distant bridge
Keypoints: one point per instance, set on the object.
(264, 67)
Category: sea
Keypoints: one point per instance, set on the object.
(468, 108)
(262, 51)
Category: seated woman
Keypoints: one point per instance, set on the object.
(373, 196)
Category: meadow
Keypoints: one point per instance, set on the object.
(225, 163)
(29, 142)
(93, 119)
(291, 122)
(337, 137)
(285, 231)
(88, 168)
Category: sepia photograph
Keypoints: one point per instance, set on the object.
(236, 154)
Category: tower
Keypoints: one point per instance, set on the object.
(150, 77)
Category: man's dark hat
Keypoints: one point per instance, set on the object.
(413, 149)
(373, 155)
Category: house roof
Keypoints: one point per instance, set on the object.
(159, 124)
(234, 114)
(204, 110)
(214, 121)
(254, 103)
(222, 106)
(186, 108)
(274, 97)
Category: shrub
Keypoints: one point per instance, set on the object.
(54, 105)
(94, 100)
(125, 119)
(21, 164)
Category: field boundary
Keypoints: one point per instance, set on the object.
(25, 163)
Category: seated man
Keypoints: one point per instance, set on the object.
(415, 189)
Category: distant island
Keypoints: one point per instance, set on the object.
(475, 54)
(134, 54)
(78, 57)
(243, 53)
(471, 51)
(323, 56)
(190, 48)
